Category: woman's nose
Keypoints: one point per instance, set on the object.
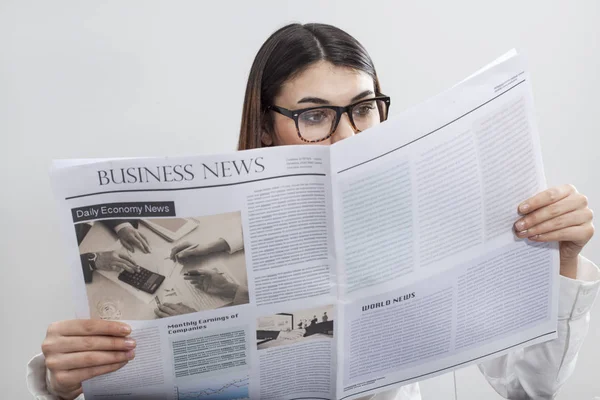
(344, 130)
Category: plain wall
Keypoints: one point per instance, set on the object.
(152, 78)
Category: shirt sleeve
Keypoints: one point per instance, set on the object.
(234, 238)
(539, 371)
(118, 227)
(88, 272)
(36, 380)
(117, 224)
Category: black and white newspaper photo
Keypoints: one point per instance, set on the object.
(139, 269)
(289, 328)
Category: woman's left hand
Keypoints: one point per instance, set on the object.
(558, 214)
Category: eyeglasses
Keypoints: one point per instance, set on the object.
(316, 124)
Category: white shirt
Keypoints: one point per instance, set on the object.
(535, 372)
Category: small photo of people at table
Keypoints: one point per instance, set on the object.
(139, 269)
(289, 328)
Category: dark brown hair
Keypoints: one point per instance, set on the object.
(286, 53)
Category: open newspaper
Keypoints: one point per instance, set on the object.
(322, 272)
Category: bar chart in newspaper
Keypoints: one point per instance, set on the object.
(232, 389)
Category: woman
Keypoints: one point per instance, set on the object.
(301, 67)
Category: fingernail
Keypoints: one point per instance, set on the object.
(524, 207)
(534, 237)
(130, 354)
(125, 329)
(520, 225)
(130, 343)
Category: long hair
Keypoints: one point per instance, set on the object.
(286, 53)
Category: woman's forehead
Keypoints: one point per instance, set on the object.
(323, 80)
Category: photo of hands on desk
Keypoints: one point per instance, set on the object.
(156, 268)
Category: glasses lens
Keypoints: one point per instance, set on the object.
(316, 124)
(369, 113)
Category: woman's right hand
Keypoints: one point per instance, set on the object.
(78, 350)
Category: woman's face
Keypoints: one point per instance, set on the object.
(320, 84)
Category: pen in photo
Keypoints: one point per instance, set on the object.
(191, 247)
(190, 274)
(174, 257)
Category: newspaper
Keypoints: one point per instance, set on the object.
(327, 272)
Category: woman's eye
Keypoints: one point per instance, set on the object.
(314, 117)
(364, 109)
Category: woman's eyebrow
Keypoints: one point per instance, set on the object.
(318, 100)
(363, 94)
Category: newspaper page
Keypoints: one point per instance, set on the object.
(431, 277)
(319, 272)
(231, 291)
